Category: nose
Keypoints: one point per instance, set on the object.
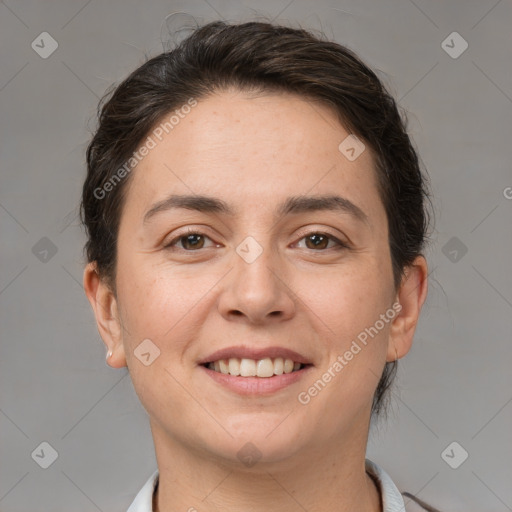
(258, 291)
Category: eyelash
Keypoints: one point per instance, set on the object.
(190, 231)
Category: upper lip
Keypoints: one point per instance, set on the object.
(255, 353)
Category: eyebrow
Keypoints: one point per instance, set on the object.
(292, 205)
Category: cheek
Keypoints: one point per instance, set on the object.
(159, 301)
(354, 337)
(347, 307)
(348, 299)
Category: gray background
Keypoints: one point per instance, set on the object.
(455, 385)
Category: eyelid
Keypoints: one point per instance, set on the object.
(340, 244)
(326, 232)
(185, 232)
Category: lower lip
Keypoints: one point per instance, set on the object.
(256, 385)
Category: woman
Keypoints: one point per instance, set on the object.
(256, 216)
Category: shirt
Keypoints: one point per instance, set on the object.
(392, 500)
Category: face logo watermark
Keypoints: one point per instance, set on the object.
(44, 250)
(454, 45)
(146, 352)
(44, 45)
(45, 455)
(351, 147)
(454, 455)
(249, 455)
(454, 249)
(249, 249)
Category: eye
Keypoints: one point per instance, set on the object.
(190, 240)
(316, 240)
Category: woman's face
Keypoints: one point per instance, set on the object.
(276, 270)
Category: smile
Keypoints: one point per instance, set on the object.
(255, 377)
(263, 368)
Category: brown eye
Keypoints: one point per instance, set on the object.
(320, 241)
(189, 241)
(317, 241)
(195, 241)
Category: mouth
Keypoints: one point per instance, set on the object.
(255, 370)
(263, 368)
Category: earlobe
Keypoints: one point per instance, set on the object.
(104, 305)
(411, 297)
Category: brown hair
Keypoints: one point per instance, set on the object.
(256, 56)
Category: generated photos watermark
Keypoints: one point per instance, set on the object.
(304, 397)
(150, 143)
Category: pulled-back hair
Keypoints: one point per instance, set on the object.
(256, 56)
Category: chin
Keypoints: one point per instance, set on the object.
(260, 442)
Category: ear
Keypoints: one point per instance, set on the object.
(410, 296)
(104, 305)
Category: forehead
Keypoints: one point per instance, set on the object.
(254, 151)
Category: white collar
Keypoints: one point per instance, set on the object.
(392, 500)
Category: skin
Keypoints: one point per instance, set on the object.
(254, 151)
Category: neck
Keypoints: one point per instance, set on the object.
(330, 480)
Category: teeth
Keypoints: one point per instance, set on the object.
(224, 366)
(234, 366)
(254, 368)
(247, 367)
(265, 367)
